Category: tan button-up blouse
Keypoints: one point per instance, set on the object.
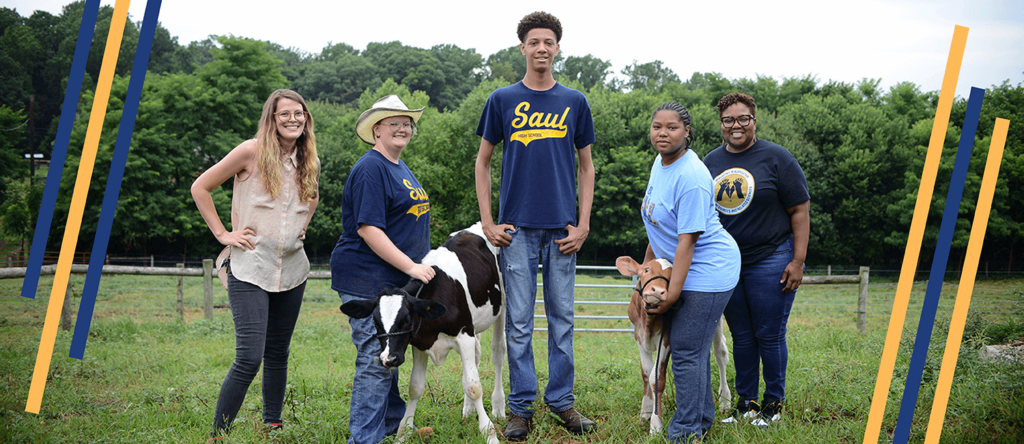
(278, 262)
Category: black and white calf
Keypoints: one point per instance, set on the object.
(465, 297)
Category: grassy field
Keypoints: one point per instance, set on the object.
(148, 377)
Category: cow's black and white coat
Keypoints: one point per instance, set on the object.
(465, 297)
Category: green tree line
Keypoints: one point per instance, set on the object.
(861, 146)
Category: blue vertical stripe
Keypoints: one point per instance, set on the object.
(60, 148)
(931, 298)
(113, 189)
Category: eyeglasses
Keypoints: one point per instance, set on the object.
(744, 120)
(285, 115)
(395, 125)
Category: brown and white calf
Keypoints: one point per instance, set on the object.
(465, 298)
(652, 340)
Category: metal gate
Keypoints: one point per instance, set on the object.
(623, 303)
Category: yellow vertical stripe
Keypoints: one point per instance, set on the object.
(74, 223)
(963, 295)
(917, 226)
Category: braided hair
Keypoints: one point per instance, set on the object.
(684, 116)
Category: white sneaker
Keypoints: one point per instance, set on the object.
(771, 412)
(745, 410)
(765, 422)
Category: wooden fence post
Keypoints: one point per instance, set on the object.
(65, 313)
(181, 295)
(208, 288)
(862, 300)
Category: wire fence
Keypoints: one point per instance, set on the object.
(601, 296)
(879, 273)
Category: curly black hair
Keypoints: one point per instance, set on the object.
(734, 98)
(539, 19)
(684, 116)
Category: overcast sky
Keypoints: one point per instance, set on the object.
(893, 41)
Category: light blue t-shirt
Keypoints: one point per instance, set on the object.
(679, 200)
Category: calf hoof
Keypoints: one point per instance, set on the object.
(724, 406)
(656, 425)
(498, 405)
(405, 432)
(498, 413)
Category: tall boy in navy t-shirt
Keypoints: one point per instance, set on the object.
(543, 127)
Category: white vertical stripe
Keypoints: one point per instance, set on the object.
(389, 307)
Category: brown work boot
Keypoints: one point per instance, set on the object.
(576, 423)
(518, 427)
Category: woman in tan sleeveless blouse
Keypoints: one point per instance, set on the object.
(275, 194)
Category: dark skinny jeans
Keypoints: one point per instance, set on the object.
(264, 322)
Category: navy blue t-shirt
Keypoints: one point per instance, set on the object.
(753, 189)
(385, 195)
(541, 131)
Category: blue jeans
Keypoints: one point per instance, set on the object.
(519, 267)
(757, 315)
(264, 323)
(377, 408)
(692, 322)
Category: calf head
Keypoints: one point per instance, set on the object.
(652, 277)
(397, 316)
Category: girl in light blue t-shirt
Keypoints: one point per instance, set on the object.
(682, 226)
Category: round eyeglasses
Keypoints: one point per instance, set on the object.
(285, 115)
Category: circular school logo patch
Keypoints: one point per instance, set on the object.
(734, 189)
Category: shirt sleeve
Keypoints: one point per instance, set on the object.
(584, 125)
(792, 184)
(491, 126)
(692, 209)
(369, 199)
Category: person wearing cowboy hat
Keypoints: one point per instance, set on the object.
(386, 233)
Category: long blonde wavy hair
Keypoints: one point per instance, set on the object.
(268, 150)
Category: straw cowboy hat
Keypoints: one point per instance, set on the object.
(383, 108)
